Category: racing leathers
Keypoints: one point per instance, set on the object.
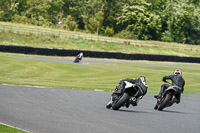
(121, 87)
(176, 80)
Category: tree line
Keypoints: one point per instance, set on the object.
(163, 20)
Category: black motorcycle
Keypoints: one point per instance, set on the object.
(78, 58)
(130, 96)
(168, 98)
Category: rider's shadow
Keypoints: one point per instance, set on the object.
(172, 111)
(134, 111)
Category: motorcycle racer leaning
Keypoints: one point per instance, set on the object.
(141, 81)
(177, 80)
(78, 58)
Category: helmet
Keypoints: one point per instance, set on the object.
(177, 72)
(143, 79)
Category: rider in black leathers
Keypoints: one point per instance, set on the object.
(141, 81)
(78, 58)
(176, 79)
(121, 86)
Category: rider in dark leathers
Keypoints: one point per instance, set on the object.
(176, 79)
(121, 86)
(78, 58)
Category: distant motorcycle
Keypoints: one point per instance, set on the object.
(130, 95)
(168, 97)
(78, 58)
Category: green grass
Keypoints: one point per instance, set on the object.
(88, 77)
(55, 42)
(7, 129)
(34, 36)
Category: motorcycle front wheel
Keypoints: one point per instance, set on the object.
(76, 60)
(120, 102)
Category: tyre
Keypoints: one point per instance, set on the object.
(120, 102)
(164, 102)
(76, 60)
(156, 106)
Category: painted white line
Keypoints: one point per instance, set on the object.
(4, 84)
(98, 90)
(14, 127)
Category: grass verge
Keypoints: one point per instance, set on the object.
(7, 129)
(13, 34)
(88, 77)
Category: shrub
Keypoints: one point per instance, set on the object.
(126, 34)
(109, 31)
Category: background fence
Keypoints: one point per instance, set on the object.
(41, 31)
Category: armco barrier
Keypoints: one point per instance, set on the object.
(97, 54)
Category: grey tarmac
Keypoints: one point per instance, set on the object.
(86, 61)
(57, 110)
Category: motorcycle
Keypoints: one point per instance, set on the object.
(78, 58)
(168, 98)
(130, 95)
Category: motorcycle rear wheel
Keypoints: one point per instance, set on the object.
(120, 102)
(164, 102)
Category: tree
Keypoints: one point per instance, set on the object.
(94, 24)
(139, 20)
(111, 9)
(109, 31)
(69, 23)
(55, 10)
(8, 8)
(37, 12)
(183, 22)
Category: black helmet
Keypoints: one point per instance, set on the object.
(177, 72)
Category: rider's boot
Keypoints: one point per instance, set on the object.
(160, 93)
(157, 96)
(127, 105)
(134, 104)
(176, 101)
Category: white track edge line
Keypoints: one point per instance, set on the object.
(14, 127)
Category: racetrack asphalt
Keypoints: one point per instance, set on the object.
(86, 61)
(57, 110)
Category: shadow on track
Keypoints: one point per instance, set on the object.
(133, 111)
(171, 111)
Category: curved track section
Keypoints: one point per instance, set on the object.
(86, 62)
(52, 110)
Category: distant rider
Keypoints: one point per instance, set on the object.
(78, 57)
(141, 81)
(176, 79)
